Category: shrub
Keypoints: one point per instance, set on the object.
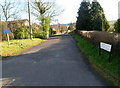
(4, 36)
(36, 33)
(43, 35)
(45, 22)
(21, 33)
(40, 34)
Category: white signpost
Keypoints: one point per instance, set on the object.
(7, 32)
(106, 47)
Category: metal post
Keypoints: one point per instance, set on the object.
(99, 50)
(109, 57)
(29, 20)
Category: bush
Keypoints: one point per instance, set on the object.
(36, 33)
(4, 36)
(40, 34)
(43, 35)
(21, 33)
(45, 22)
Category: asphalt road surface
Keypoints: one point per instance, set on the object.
(56, 62)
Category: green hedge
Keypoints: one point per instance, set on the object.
(43, 35)
(21, 33)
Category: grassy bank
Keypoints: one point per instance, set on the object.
(17, 46)
(109, 70)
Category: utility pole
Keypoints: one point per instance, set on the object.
(29, 20)
(0, 27)
(58, 26)
(0, 17)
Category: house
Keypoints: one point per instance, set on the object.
(59, 27)
(37, 26)
(15, 24)
(54, 27)
(18, 23)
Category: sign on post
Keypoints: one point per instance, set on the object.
(7, 32)
(106, 47)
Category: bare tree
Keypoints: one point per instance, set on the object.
(46, 8)
(45, 11)
(9, 9)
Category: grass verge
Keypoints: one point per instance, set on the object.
(109, 70)
(17, 46)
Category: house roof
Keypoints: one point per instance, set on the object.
(58, 27)
(24, 20)
(16, 21)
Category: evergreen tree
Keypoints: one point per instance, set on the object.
(106, 24)
(83, 19)
(91, 17)
(117, 26)
(99, 21)
(96, 16)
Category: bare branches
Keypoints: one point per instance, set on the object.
(9, 9)
(54, 12)
(45, 8)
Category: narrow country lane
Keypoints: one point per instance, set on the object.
(56, 62)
